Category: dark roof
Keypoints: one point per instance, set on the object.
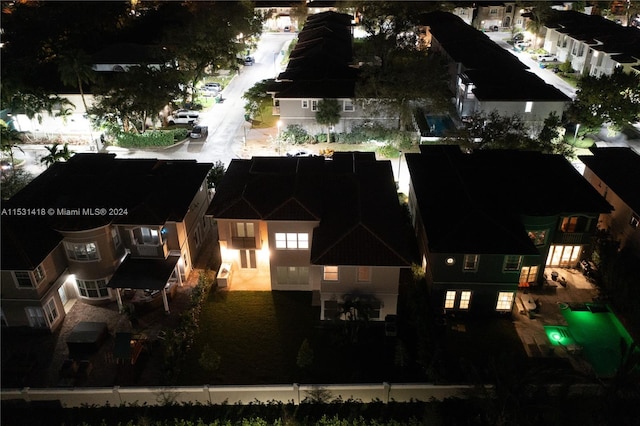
(496, 73)
(320, 64)
(619, 169)
(151, 191)
(473, 203)
(353, 197)
(148, 274)
(130, 53)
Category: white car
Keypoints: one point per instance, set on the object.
(211, 89)
(300, 153)
(547, 57)
(183, 116)
(523, 44)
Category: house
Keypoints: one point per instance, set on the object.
(331, 227)
(491, 221)
(592, 44)
(484, 77)
(615, 174)
(86, 229)
(495, 14)
(321, 67)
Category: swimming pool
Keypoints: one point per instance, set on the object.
(595, 331)
(439, 124)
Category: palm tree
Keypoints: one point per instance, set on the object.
(74, 67)
(55, 154)
(9, 138)
(328, 113)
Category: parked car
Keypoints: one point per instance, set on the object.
(248, 60)
(522, 44)
(199, 132)
(287, 29)
(211, 89)
(547, 57)
(183, 116)
(300, 153)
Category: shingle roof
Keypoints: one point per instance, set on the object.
(353, 198)
(619, 169)
(152, 192)
(472, 203)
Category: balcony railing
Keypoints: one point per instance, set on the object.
(145, 250)
(572, 238)
(243, 243)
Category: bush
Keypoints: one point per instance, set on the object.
(388, 151)
(152, 138)
(565, 67)
(295, 134)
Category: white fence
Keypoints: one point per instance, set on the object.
(295, 393)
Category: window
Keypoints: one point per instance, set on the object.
(364, 274)
(563, 255)
(635, 221)
(38, 274)
(314, 105)
(449, 299)
(493, 11)
(465, 299)
(471, 262)
(528, 106)
(82, 251)
(35, 315)
(574, 224)
(248, 259)
(512, 263)
(245, 230)
(293, 275)
(51, 311)
(529, 274)
(305, 103)
(93, 289)
(115, 236)
(539, 238)
(330, 273)
(292, 241)
(145, 235)
(508, 9)
(197, 237)
(23, 279)
(505, 301)
(348, 106)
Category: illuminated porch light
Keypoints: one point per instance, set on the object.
(556, 336)
(450, 261)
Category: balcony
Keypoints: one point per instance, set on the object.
(238, 243)
(573, 238)
(148, 250)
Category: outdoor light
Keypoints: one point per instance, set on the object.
(450, 261)
(556, 336)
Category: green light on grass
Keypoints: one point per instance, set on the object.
(556, 336)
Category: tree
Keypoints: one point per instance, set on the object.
(256, 98)
(304, 358)
(611, 99)
(14, 181)
(55, 155)
(9, 138)
(537, 15)
(299, 13)
(215, 175)
(74, 67)
(328, 114)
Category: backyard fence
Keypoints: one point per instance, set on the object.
(296, 394)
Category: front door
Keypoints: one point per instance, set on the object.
(63, 295)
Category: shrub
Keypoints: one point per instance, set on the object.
(388, 151)
(295, 134)
(152, 138)
(566, 67)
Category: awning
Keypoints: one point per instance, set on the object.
(148, 274)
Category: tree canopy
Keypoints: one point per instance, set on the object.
(611, 99)
(328, 114)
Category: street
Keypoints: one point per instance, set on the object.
(227, 127)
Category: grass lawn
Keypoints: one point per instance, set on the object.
(258, 334)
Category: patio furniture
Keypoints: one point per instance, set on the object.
(128, 347)
(86, 338)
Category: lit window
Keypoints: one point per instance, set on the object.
(245, 230)
(292, 240)
(539, 238)
(635, 221)
(82, 251)
(449, 300)
(528, 274)
(471, 262)
(364, 274)
(512, 263)
(465, 299)
(505, 301)
(528, 107)
(331, 273)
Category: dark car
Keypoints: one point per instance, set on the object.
(248, 60)
(199, 132)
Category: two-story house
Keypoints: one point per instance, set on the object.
(331, 227)
(615, 174)
(592, 44)
(495, 14)
(321, 67)
(485, 77)
(88, 228)
(491, 221)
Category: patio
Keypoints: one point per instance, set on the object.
(571, 287)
